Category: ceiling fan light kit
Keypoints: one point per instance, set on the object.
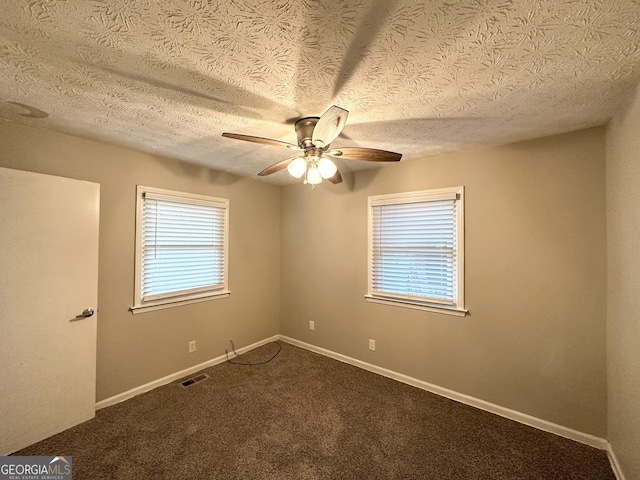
(315, 135)
(314, 169)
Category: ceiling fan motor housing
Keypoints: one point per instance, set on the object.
(304, 131)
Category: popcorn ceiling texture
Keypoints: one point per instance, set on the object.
(418, 77)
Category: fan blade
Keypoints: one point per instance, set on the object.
(264, 141)
(276, 167)
(337, 178)
(329, 126)
(368, 154)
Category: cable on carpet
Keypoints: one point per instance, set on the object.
(251, 364)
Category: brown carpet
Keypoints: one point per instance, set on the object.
(305, 416)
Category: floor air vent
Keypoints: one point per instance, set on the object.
(196, 379)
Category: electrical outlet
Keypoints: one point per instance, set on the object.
(192, 346)
(372, 345)
(312, 325)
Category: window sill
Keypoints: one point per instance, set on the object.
(457, 312)
(168, 303)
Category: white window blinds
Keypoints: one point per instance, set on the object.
(183, 246)
(414, 250)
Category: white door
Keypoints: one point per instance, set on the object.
(48, 276)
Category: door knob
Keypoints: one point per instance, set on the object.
(86, 313)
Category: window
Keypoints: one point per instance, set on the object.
(181, 248)
(416, 246)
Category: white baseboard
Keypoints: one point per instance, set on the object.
(615, 465)
(538, 423)
(121, 397)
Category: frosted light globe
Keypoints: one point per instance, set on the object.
(313, 175)
(327, 168)
(297, 167)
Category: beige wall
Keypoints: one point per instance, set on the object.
(623, 264)
(136, 349)
(535, 263)
(535, 339)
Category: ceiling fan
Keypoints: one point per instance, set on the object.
(315, 135)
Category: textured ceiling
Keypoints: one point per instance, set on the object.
(418, 77)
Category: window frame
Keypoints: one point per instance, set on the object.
(458, 307)
(168, 300)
